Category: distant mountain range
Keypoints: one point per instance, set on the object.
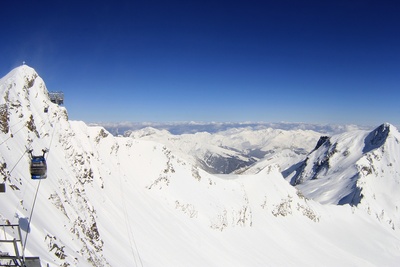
(177, 128)
(236, 149)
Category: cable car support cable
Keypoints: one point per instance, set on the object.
(13, 134)
(37, 190)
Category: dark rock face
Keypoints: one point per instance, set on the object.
(4, 119)
(319, 167)
(376, 138)
(321, 141)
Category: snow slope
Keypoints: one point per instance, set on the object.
(117, 201)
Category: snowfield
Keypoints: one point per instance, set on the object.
(146, 200)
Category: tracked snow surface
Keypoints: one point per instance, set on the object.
(121, 201)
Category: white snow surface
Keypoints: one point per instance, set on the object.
(120, 201)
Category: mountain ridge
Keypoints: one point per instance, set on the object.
(344, 166)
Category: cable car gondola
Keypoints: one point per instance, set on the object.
(38, 166)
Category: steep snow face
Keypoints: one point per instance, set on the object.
(379, 174)
(115, 201)
(63, 211)
(353, 168)
(334, 160)
(235, 150)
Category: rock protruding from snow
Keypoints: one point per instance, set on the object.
(321, 141)
(377, 137)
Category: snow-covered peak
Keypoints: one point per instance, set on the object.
(355, 168)
(25, 103)
(18, 84)
(378, 137)
(20, 73)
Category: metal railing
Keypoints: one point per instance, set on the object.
(57, 97)
(11, 241)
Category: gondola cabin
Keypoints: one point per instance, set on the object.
(38, 167)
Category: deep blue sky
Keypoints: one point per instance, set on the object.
(297, 61)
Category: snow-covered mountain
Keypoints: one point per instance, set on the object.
(236, 149)
(127, 201)
(359, 168)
